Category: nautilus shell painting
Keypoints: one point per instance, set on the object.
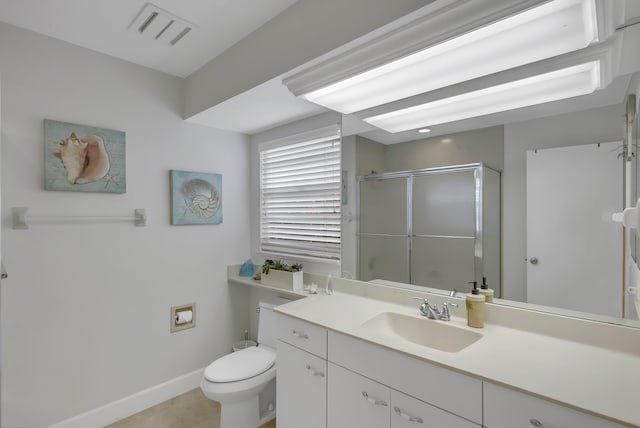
(82, 158)
(196, 198)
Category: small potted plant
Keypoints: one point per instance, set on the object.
(282, 275)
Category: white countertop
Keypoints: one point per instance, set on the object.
(589, 378)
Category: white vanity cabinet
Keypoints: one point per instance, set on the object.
(354, 401)
(363, 376)
(301, 377)
(505, 408)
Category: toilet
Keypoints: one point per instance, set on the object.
(243, 382)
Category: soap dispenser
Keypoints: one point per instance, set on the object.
(475, 307)
(486, 291)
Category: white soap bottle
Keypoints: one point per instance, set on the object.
(475, 307)
(486, 291)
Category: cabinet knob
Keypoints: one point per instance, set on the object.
(299, 334)
(373, 400)
(536, 423)
(313, 371)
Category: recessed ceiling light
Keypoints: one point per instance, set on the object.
(424, 130)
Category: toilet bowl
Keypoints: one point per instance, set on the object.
(238, 379)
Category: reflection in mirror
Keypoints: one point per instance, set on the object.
(435, 227)
(505, 148)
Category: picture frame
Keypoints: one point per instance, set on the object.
(81, 158)
(196, 198)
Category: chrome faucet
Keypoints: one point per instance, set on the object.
(433, 312)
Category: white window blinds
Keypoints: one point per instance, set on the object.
(300, 188)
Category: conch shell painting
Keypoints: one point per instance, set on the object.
(196, 198)
(83, 158)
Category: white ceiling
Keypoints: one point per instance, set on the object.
(101, 25)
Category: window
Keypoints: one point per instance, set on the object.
(300, 195)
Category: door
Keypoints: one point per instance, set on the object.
(574, 250)
(443, 251)
(355, 401)
(383, 234)
(301, 388)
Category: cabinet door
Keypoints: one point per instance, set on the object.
(504, 408)
(407, 412)
(443, 388)
(355, 401)
(301, 385)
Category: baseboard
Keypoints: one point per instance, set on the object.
(120, 409)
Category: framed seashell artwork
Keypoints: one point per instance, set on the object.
(196, 197)
(80, 158)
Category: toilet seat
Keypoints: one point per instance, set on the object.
(240, 365)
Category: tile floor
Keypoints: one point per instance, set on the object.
(189, 410)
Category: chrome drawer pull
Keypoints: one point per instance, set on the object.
(299, 335)
(373, 401)
(536, 423)
(313, 372)
(404, 416)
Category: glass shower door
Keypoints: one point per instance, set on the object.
(383, 236)
(443, 248)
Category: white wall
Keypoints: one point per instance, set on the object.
(586, 127)
(480, 145)
(85, 312)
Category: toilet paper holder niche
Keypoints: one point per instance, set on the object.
(182, 317)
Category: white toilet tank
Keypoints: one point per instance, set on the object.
(267, 321)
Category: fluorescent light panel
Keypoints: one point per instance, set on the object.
(551, 29)
(560, 84)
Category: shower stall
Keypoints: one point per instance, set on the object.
(434, 227)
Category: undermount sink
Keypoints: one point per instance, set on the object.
(423, 331)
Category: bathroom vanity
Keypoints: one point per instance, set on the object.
(365, 357)
(346, 361)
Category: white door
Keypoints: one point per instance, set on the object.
(301, 388)
(574, 250)
(355, 401)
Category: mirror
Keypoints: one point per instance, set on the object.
(504, 147)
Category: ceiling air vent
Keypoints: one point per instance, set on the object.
(158, 24)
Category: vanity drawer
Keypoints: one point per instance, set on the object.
(407, 412)
(505, 408)
(448, 390)
(302, 334)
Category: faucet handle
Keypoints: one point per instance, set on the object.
(426, 309)
(444, 314)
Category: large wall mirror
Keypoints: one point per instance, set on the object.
(553, 246)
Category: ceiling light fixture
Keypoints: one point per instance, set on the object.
(567, 82)
(424, 130)
(512, 39)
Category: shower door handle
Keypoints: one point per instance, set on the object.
(533, 260)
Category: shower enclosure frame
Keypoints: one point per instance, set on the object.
(483, 178)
